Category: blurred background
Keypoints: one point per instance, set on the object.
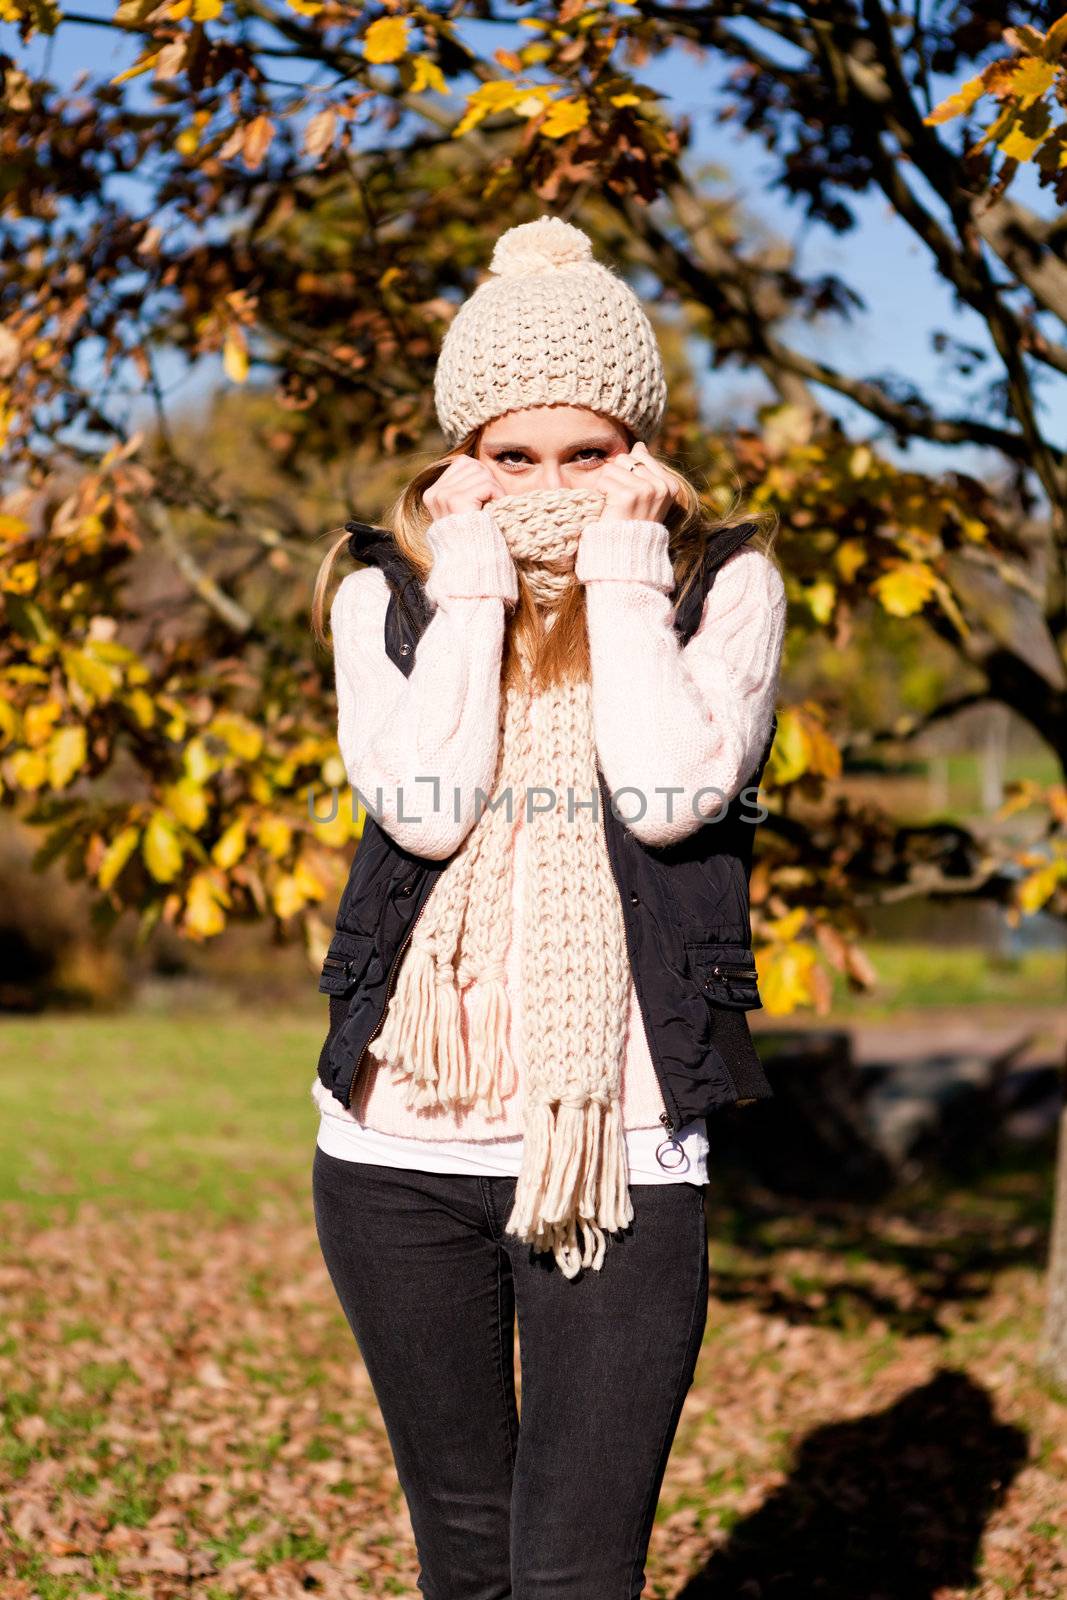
(234, 235)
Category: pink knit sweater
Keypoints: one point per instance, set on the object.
(665, 718)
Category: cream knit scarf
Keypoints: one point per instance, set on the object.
(575, 980)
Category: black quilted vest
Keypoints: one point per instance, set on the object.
(685, 906)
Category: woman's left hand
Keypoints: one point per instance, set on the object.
(636, 488)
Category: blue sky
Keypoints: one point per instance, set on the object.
(881, 259)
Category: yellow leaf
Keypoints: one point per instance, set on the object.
(161, 848)
(1018, 146)
(786, 978)
(242, 736)
(821, 596)
(207, 10)
(9, 721)
(142, 707)
(66, 755)
(788, 927)
(21, 578)
(428, 75)
(94, 677)
(275, 835)
(788, 758)
(626, 99)
(859, 462)
(311, 887)
(958, 104)
(849, 558)
(386, 40)
(39, 721)
(1033, 892)
(499, 95)
(204, 916)
(565, 116)
(188, 802)
(235, 354)
(905, 588)
(230, 847)
(1031, 79)
(306, 8)
(200, 764)
(116, 856)
(29, 769)
(12, 528)
(138, 67)
(287, 896)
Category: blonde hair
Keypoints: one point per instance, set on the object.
(561, 653)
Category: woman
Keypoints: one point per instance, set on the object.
(527, 988)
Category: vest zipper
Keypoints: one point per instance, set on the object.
(388, 997)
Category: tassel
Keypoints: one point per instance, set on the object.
(537, 1134)
(561, 1171)
(488, 1010)
(450, 1050)
(562, 1181)
(614, 1204)
(407, 1039)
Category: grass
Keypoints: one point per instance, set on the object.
(169, 1113)
(917, 976)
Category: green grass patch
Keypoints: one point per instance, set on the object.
(161, 1112)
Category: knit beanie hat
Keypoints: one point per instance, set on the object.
(551, 326)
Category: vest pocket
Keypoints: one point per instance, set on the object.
(345, 963)
(725, 972)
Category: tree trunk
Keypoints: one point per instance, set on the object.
(1052, 1357)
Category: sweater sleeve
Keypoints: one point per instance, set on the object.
(669, 720)
(418, 747)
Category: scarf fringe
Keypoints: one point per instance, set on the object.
(422, 1038)
(574, 1173)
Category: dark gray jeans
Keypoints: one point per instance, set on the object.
(562, 1507)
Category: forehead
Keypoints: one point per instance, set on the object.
(550, 425)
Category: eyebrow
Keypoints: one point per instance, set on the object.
(600, 441)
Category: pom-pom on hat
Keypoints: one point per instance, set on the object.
(551, 326)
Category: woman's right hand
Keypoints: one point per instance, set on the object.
(465, 485)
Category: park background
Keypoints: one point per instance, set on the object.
(234, 236)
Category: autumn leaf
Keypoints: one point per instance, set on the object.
(275, 835)
(786, 977)
(905, 588)
(235, 354)
(66, 755)
(427, 75)
(116, 856)
(1038, 888)
(386, 40)
(958, 104)
(565, 116)
(206, 896)
(1031, 79)
(188, 801)
(231, 845)
(319, 134)
(161, 848)
(499, 95)
(256, 141)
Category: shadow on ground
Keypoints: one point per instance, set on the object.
(890, 1506)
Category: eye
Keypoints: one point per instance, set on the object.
(502, 455)
(594, 451)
